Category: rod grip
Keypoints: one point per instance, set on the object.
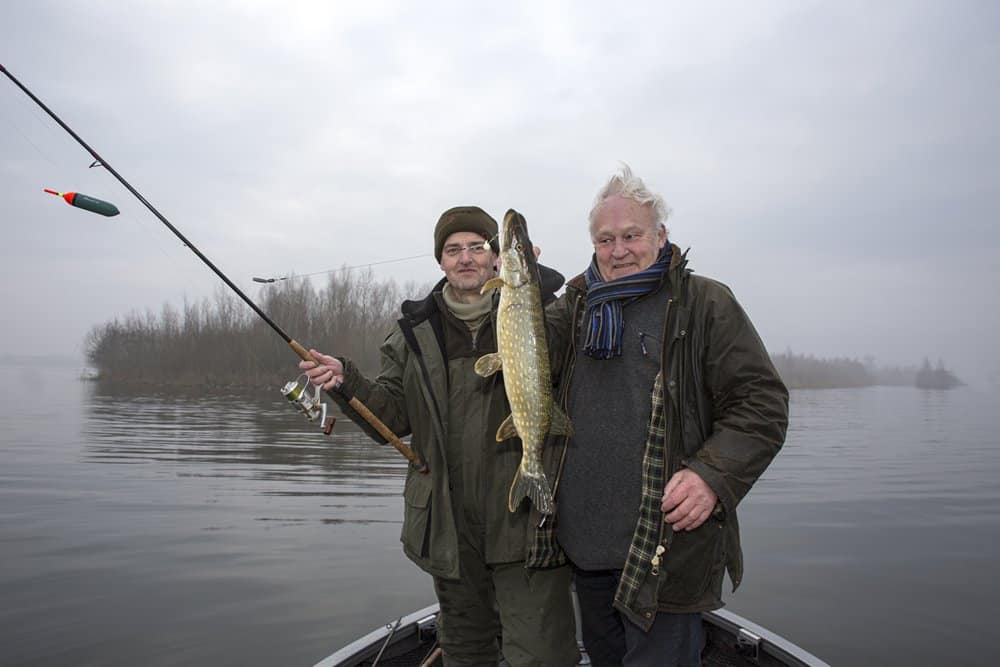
(386, 433)
(301, 351)
(367, 414)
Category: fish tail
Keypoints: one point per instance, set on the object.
(535, 487)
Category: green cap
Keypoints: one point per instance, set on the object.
(462, 219)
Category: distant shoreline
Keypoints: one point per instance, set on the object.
(798, 371)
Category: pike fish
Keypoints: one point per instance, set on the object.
(522, 353)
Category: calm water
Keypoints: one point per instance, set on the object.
(184, 530)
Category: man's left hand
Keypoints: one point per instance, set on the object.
(687, 500)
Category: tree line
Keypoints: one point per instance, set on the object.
(221, 342)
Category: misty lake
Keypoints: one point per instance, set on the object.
(173, 529)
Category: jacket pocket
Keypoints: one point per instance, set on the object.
(417, 514)
(692, 563)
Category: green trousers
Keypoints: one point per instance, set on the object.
(526, 613)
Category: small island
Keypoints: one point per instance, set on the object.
(808, 372)
(936, 378)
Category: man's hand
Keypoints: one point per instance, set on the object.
(327, 374)
(687, 500)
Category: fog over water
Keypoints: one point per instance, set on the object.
(835, 163)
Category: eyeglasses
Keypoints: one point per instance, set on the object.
(473, 248)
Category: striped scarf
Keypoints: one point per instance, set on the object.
(605, 300)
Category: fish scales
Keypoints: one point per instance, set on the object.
(522, 353)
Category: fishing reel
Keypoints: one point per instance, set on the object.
(313, 407)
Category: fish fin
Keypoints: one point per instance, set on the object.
(535, 487)
(507, 429)
(492, 283)
(488, 364)
(560, 422)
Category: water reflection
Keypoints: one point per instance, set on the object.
(181, 528)
(255, 438)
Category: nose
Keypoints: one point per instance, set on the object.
(465, 256)
(619, 249)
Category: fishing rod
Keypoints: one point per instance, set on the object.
(312, 407)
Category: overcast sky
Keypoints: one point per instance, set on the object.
(837, 164)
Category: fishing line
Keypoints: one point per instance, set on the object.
(10, 120)
(63, 168)
(301, 401)
(343, 268)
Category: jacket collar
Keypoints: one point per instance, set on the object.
(417, 310)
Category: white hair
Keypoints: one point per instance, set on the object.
(629, 186)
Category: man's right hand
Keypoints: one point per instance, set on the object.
(328, 373)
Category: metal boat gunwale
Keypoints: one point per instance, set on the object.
(405, 626)
(772, 643)
(757, 638)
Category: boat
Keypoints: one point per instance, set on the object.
(730, 641)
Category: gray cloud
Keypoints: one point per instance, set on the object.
(835, 163)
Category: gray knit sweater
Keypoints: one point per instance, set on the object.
(609, 406)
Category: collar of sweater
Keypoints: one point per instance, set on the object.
(470, 313)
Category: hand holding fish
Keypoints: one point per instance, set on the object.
(328, 374)
(687, 500)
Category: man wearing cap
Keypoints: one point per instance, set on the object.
(456, 524)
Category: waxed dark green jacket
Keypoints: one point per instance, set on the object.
(725, 411)
(411, 396)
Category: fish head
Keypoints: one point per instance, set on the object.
(519, 263)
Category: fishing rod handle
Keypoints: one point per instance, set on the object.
(366, 414)
(384, 431)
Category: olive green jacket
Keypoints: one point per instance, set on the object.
(411, 396)
(719, 409)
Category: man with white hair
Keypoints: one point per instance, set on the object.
(676, 410)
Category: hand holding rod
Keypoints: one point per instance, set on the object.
(365, 413)
(359, 407)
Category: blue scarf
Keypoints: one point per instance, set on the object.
(605, 300)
